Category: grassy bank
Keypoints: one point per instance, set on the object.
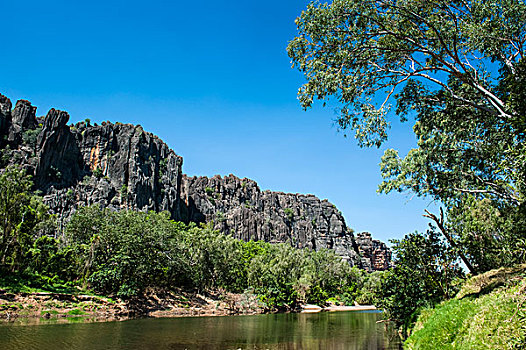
(489, 312)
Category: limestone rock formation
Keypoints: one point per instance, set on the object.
(121, 166)
(115, 165)
(375, 255)
(239, 207)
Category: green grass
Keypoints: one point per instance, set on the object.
(488, 281)
(32, 283)
(76, 312)
(494, 320)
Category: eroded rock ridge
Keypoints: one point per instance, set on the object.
(123, 167)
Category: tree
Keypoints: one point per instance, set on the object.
(423, 275)
(20, 216)
(126, 252)
(457, 67)
(489, 234)
(355, 50)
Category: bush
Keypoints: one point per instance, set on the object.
(97, 172)
(22, 215)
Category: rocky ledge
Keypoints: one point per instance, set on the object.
(121, 166)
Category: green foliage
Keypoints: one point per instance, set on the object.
(370, 291)
(53, 172)
(29, 137)
(424, 274)
(21, 215)
(220, 216)
(211, 195)
(125, 252)
(163, 166)
(490, 234)
(474, 164)
(76, 312)
(285, 276)
(5, 155)
(50, 258)
(124, 192)
(289, 213)
(31, 282)
(458, 69)
(362, 51)
(98, 173)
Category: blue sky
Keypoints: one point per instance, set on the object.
(213, 80)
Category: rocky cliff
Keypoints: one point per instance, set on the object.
(123, 167)
(238, 206)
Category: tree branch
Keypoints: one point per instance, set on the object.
(440, 225)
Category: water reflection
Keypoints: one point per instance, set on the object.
(336, 330)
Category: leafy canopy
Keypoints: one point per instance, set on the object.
(363, 51)
(459, 69)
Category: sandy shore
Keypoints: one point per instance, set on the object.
(315, 308)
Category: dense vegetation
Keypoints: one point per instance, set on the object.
(457, 69)
(124, 253)
(425, 273)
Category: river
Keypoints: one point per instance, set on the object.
(326, 330)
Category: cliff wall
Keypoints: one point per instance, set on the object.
(123, 167)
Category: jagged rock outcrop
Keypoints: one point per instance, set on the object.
(114, 165)
(239, 207)
(375, 255)
(123, 167)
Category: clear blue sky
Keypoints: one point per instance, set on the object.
(213, 80)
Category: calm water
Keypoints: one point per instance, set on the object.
(336, 330)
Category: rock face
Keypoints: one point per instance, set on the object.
(239, 207)
(375, 255)
(114, 165)
(123, 167)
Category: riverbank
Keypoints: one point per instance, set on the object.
(48, 305)
(38, 307)
(489, 312)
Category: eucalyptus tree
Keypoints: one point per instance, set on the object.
(456, 67)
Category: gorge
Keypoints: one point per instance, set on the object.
(121, 166)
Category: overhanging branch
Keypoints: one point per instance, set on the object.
(452, 243)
